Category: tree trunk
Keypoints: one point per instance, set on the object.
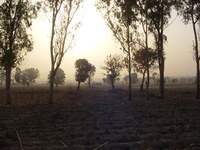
(113, 86)
(8, 95)
(89, 81)
(161, 66)
(147, 83)
(78, 88)
(143, 77)
(197, 57)
(51, 94)
(129, 64)
(160, 54)
(147, 51)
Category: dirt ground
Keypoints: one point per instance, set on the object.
(100, 119)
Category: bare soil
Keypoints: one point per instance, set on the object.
(99, 119)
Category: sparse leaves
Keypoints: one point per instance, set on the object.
(113, 66)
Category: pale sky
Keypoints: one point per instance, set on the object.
(95, 41)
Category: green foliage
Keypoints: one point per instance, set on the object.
(59, 77)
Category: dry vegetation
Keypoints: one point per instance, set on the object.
(99, 119)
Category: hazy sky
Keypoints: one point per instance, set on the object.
(95, 41)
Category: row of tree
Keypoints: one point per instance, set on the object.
(125, 18)
(16, 18)
(115, 63)
(84, 71)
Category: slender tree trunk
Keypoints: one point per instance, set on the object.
(78, 88)
(8, 95)
(147, 52)
(113, 86)
(89, 81)
(129, 64)
(160, 54)
(51, 94)
(161, 66)
(142, 84)
(147, 85)
(52, 57)
(197, 57)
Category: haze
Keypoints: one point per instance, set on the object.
(95, 41)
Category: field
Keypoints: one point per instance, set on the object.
(100, 119)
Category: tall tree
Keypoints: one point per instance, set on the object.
(15, 18)
(160, 12)
(113, 66)
(64, 27)
(82, 69)
(121, 19)
(144, 20)
(190, 11)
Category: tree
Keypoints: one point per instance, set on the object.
(143, 19)
(64, 27)
(28, 76)
(82, 69)
(134, 78)
(143, 61)
(18, 74)
(160, 12)
(113, 66)
(155, 77)
(59, 78)
(91, 74)
(190, 11)
(121, 19)
(106, 80)
(15, 18)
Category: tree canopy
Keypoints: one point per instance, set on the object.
(15, 18)
(113, 66)
(26, 77)
(59, 78)
(82, 69)
(29, 75)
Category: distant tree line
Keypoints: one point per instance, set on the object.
(126, 18)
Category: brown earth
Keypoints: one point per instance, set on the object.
(99, 119)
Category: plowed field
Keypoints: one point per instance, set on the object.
(99, 119)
